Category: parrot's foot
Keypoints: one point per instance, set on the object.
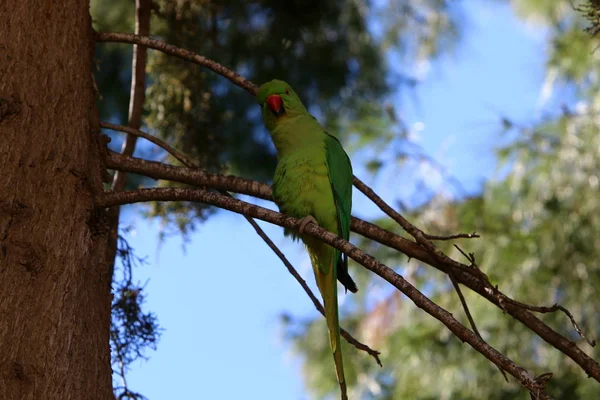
(309, 219)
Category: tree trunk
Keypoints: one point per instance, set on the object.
(54, 287)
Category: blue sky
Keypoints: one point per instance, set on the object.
(219, 298)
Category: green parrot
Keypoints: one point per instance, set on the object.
(312, 182)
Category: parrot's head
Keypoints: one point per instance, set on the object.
(278, 102)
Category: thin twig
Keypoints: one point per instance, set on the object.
(191, 176)
(254, 211)
(466, 308)
(470, 257)
(539, 309)
(469, 316)
(313, 298)
(181, 53)
(188, 163)
(452, 237)
(554, 308)
(182, 158)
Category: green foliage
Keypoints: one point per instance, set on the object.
(133, 331)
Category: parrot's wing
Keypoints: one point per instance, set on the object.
(340, 177)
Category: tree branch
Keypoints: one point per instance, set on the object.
(551, 309)
(452, 237)
(409, 248)
(181, 53)
(191, 176)
(160, 143)
(136, 105)
(415, 232)
(175, 194)
(465, 306)
(349, 338)
(423, 239)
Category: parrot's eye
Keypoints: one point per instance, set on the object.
(287, 91)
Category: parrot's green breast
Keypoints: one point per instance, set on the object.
(301, 187)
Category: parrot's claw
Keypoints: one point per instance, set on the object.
(309, 219)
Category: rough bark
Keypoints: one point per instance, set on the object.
(54, 287)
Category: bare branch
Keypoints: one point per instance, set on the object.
(424, 240)
(463, 302)
(136, 105)
(554, 308)
(181, 53)
(470, 257)
(452, 237)
(160, 143)
(138, 81)
(313, 298)
(422, 301)
(191, 176)
(409, 248)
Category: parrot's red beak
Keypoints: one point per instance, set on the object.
(276, 104)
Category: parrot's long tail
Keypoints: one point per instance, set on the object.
(327, 284)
